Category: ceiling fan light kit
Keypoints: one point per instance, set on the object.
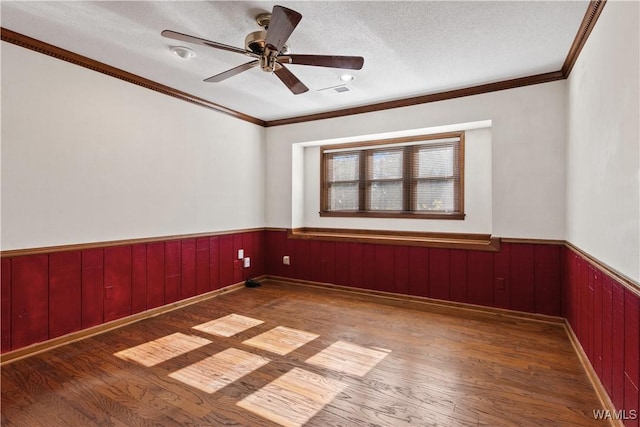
(269, 50)
(182, 52)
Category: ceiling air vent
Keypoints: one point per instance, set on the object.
(335, 89)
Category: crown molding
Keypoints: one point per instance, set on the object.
(588, 23)
(74, 58)
(424, 99)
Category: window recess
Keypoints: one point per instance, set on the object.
(413, 177)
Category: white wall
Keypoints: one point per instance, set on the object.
(603, 194)
(89, 158)
(527, 159)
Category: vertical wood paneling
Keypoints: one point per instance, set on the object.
(328, 262)
(597, 323)
(547, 279)
(188, 268)
(172, 266)
(569, 309)
(630, 403)
(617, 366)
(300, 265)
(587, 313)
(522, 280)
(155, 274)
(368, 260)
(92, 287)
(501, 277)
(607, 335)
(314, 248)
(139, 278)
(30, 300)
(565, 273)
(458, 275)
(356, 265)
(5, 305)
(401, 269)
(202, 265)
(577, 286)
(384, 268)
(276, 242)
(258, 260)
(214, 263)
(65, 293)
(117, 282)
(247, 244)
(439, 274)
(342, 263)
(631, 337)
(419, 271)
(237, 263)
(225, 260)
(480, 281)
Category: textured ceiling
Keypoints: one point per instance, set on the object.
(410, 48)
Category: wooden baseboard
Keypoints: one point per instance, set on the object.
(40, 347)
(503, 312)
(603, 396)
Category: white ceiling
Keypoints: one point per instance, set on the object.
(410, 48)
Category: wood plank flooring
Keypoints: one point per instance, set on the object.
(295, 355)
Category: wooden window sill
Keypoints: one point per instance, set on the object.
(480, 242)
(382, 214)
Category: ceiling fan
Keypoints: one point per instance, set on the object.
(269, 50)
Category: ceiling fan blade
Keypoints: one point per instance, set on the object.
(291, 81)
(347, 62)
(232, 72)
(191, 39)
(283, 22)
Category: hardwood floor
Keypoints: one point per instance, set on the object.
(295, 355)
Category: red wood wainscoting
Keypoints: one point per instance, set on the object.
(604, 315)
(520, 276)
(47, 295)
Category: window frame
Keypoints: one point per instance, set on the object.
(410, 146)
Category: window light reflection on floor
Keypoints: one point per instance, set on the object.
(281, 340)
(229, 325)
(162, 349)
(221, 369)
(348, 358)
(293, 398)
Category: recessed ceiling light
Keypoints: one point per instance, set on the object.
(183, 52)
(346, 77)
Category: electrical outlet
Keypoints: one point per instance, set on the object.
(240, 253)
(285, 260)
(247, 262)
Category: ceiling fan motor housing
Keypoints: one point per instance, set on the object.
(255, 42)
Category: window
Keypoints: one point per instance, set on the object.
(414, 177)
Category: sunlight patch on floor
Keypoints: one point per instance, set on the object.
(281, 340)
(293, 398)
(348, 358)
(162, 349)
(228, 326)
(221, 369)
